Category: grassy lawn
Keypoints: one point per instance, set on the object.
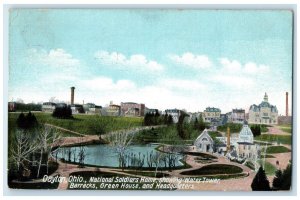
(286, 128)
(201, 155)
(215, 169)
(83, 123)
(166, 135)
(250, 165)
(267, 156)
(269, 168)
(277, 149)
(284, 139)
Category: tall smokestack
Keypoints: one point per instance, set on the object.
(228, 139)
(72, 95)
(286, 104)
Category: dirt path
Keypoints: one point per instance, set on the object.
(276, 131)
(282, 158)
(66, 130)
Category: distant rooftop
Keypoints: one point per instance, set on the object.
(129, 103)
(212, 109)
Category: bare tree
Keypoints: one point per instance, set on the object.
(120, 140)
(157, 159)
(25, 145)
(47, 138)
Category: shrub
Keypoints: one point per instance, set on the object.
(214, 169)
(27, 122)
(62, 112)
(260, 181)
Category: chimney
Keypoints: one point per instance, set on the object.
(72, 95)
(287, 104)
(228, 139)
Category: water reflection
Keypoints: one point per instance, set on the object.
(141, 156)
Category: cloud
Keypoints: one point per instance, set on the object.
(234, 66)
(182, 84)
(192, 60)
(237, 82)
(236, 75)
(58, 58)
(102, 84)
(252, 68)
(231, 66)
(136, 61)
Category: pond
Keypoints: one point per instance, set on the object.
(102, 155)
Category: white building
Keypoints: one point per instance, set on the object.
(91, 108)
(175, 113)
(241, 147)
(77, 108)
(204, 143)
(264, 113)
(48, 107)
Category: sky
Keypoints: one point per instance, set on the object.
(185, 59)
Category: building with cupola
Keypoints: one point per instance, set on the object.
(236, 147)
(264, 113)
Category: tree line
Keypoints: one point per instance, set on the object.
(281, 181)
(152, 119)
(24, 107)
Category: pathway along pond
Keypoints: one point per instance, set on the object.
(102, 155)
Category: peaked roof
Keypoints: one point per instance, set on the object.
(204, 134)
(246, 131)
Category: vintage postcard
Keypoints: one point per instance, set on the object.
(150, 99)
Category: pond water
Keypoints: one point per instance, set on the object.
(107, 156)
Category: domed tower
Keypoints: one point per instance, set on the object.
(246, 134)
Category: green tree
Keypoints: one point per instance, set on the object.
(27, 122)
(21, 120)
(196, 124)
(156, 118)
(97, 126)
(62, 112)
(180, 126)
(202, 125)
(256, 130)
(287, 178)
(260, 181)
(278, 180)
(165, 116)
(147, 119)
(170, 120)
